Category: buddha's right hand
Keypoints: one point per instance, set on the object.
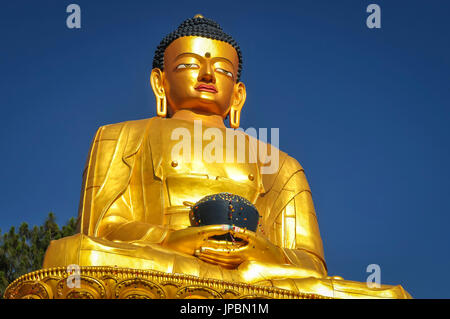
(190, 239)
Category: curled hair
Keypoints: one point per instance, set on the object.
(197, 26)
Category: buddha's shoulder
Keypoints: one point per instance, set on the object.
(136, 127)
(290, 164)
(286, 163)
(288, 167)
(116, 130)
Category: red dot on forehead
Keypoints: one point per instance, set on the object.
(207, 55)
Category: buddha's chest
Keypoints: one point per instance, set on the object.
(190, 173)
(192, 167)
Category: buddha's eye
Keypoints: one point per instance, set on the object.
(227, 73)
(187, 66)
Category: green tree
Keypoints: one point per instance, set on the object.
(22, 250)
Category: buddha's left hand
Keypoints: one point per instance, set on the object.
(231, 254)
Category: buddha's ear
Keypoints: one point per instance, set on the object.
(237, 102)
(157, 81)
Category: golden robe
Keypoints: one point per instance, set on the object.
(133, 192)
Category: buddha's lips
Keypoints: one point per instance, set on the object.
(206, 88)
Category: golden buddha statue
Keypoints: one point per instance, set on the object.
(133, 210)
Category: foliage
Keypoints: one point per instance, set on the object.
(22, 250)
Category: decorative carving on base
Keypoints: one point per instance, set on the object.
(125, 283)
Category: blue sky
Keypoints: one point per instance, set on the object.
(365, 111)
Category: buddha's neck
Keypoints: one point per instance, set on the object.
(212, 120)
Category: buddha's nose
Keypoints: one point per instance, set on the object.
(206, 74)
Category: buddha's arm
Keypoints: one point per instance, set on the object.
(119, 225)
(294, 224)
(113, 155)
(302, 244)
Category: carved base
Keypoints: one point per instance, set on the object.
(125, 283)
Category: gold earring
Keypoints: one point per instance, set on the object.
(235, 117)
(161, 106)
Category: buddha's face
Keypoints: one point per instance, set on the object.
(200, 75)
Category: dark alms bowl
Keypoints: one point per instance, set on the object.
(224, 209)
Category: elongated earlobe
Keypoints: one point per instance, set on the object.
(158, 89)
(235, 117)
(161, 106)
(239, 97)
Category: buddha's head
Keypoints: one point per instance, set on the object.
(197, 67)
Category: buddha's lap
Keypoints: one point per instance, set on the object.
(89, 251)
